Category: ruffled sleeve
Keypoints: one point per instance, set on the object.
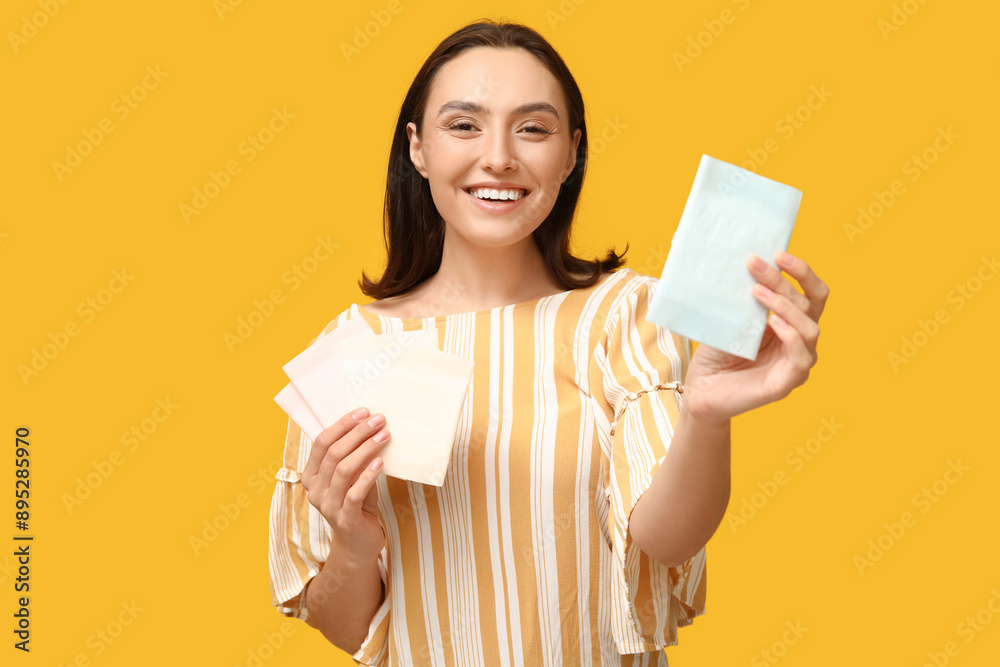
(636, 379)
(299, 544)
(298, 535)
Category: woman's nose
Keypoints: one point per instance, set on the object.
(498, 153)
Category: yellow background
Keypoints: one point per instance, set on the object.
(162, 335)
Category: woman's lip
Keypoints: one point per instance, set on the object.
(500, 206)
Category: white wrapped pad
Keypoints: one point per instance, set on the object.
(705, 292)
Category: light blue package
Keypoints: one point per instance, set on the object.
(705, 292)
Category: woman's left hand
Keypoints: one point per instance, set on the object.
(719, 385)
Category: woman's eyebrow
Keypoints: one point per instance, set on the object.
(476, 107)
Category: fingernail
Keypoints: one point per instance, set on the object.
(376, 464)
(376, 421)
(784, 258)
(759, 264)
(381, 436)
(360, 414)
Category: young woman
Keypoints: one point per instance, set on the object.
(591, 464)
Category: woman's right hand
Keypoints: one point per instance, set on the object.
(339, 480)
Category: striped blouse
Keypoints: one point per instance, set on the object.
(523, 556)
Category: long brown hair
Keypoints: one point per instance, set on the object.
(413, 227)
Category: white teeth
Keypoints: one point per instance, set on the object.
(501, 195)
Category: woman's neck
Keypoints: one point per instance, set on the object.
(481, 278)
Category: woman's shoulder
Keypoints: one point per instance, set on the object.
(625, 296)
(625, 283)
(339, 320)
(402, 306)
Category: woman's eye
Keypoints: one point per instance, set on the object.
(469, 127)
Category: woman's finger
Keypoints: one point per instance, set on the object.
(355, 497)
(798, 359)
(806, 328)
(330, 436)
(771, 278)
(339, 450)
(352, 466)
(815, 289)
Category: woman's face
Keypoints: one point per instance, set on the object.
(495, 118)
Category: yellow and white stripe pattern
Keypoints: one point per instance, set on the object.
(523, 556)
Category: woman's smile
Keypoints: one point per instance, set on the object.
(503, 198)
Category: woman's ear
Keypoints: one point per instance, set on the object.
(571, 162)
(416, 154)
